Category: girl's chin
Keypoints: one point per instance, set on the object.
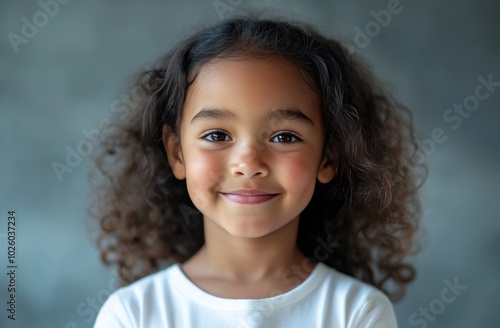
(247, 229)
(251, 229)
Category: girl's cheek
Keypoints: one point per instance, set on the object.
(207, 168)
(299, 176)
(204, 176)
(299, 171)
(296, 164)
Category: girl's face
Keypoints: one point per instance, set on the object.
(251, 141)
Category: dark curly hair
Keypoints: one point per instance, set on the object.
(369, 211)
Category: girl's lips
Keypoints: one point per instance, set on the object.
(248, 199)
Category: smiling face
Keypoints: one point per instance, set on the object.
(251, 140)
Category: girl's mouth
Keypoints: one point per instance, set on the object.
(248, 196)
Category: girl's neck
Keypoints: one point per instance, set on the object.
(248, 260)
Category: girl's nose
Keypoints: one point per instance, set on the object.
(249, 161)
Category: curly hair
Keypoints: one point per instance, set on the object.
(369, 211)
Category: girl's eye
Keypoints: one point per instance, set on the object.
(216, 136)
(286, 138)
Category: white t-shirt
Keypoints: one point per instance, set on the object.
(327, 298)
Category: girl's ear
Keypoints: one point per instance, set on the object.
(174, 152)
(328, 167)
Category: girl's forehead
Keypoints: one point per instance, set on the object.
(270, 67)
(266, 82)
(273, 76)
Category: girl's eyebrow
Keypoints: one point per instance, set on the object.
(214, 114)
(290, 114)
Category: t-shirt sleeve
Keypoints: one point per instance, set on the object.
(377, 312)
(113, 314)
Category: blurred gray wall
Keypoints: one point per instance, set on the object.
(60, 78)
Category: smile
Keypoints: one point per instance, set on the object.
(248, 199)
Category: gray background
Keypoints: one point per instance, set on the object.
(66, 77)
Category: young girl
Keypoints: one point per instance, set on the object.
(264, 179)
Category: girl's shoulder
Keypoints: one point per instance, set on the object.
(126, 305)
(362, 304)
(340, 285)
(346, 284)
(347, 289)
(165, 297)
(150, 284)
